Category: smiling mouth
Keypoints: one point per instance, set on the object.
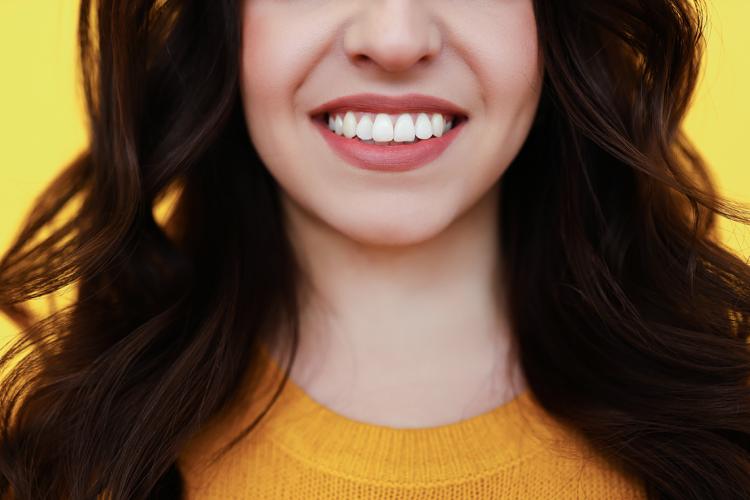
(400, 130)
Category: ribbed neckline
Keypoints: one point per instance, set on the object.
(479, 445)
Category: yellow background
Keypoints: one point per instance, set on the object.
(41, 121)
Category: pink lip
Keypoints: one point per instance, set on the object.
(388, 158)
(409, 103)
(397, 158)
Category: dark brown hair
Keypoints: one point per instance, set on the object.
(631, 316)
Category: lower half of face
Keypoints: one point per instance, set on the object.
(347, 172)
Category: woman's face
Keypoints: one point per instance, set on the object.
(297, 55)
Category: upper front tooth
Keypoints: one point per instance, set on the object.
(403, 131)
(382, 129)
(364, 128)
(339, 125)
(349, 128)
(438, 125)
(423, 127)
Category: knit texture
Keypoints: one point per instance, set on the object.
(303, 450)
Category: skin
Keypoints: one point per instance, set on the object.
(404, 320)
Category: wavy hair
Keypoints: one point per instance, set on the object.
(631, 317)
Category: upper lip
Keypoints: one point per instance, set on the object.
(408, 103)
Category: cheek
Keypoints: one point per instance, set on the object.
(272, 63)
(504, 49)
(272, 67)
(509, 68)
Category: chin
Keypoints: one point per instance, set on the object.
(390, 231)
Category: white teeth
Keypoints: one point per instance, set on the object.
(349, 128)
(423, 127)
(339, 125)
(382, 129)
(438, 125)
(364, 128)
(403, 131)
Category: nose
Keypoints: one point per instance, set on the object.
(392, 34)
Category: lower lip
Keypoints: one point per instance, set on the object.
(397, 158)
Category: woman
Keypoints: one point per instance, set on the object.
(472, 231)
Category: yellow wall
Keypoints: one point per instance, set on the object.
(41, 126)
(718, 120)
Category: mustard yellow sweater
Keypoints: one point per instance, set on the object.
(303, 450)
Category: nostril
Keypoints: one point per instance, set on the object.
(361, 60)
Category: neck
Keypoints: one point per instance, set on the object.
(427, 310)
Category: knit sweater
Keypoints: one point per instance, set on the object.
(302, 449)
